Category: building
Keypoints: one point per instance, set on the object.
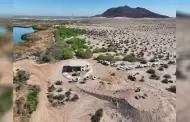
(76, 65)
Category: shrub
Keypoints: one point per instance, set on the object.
(130, 58)
(25, 37)
(165, 66)
(75, 98)
(132, 78)
(51, 88)
(170, 81)
(84, 54)
(21, 76)
(59, 97)
(68, 93)
(143, 61)
(60, 90)
(152, 60)
(98, 50)
(58, 82)
(172, 89)
(67, 53)
(167, 76)
(161, 68)
(97, 116)
(104, 57)
(154, 76)
(46, 59)
(113, 74)
(32, 99)
(165, 81)
(151, 71)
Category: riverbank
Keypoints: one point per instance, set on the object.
(40, 41)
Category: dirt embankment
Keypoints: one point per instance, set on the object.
(40, 41)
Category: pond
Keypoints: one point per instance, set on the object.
(3, 30)
(19, 31)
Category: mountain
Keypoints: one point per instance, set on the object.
(126, 11)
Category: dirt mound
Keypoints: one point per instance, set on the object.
(132, 114)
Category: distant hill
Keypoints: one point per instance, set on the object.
(180, 14)
(126, 11)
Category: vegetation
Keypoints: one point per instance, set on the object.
(103, 50)
(97, 116)
(172, 89)
(165, 81)
(105, 57)
(67, 53)
(84, 54)
(21, 77)
(6, 94)
(167, 76)
(63, 33)
(32, 99)
(46, 59)
(77, 43)
(130, 58)
(67, 49)
(151, 71)
(41, 27)
(75, 98)
(25, 37)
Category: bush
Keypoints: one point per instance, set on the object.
(170, 81)
(152, 60)
(58, 82)
(75, 98)
(67, 53)
(46, 59)
(165, 81)
(21, 76)
(143, 61)
(51, 88)
(105, 57)
(68, 93)
(60, 90)
(161, 68)
(84, 54)
(165, 66)
(59, 97)
(32, 99)
(98, 50)
(62, 33)
(167, 76)
(154, 76)
(172, 89)
(25, 37)
(113, 74)
(97, 116)
(129, 58)
(151, 71)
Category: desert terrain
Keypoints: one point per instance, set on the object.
(139, 85)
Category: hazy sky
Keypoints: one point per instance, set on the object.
(87, 7)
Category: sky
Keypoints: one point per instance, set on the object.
(86, 7)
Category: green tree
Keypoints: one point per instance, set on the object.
(67, 53)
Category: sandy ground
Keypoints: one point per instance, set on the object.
(93, 92)
(115, 94)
